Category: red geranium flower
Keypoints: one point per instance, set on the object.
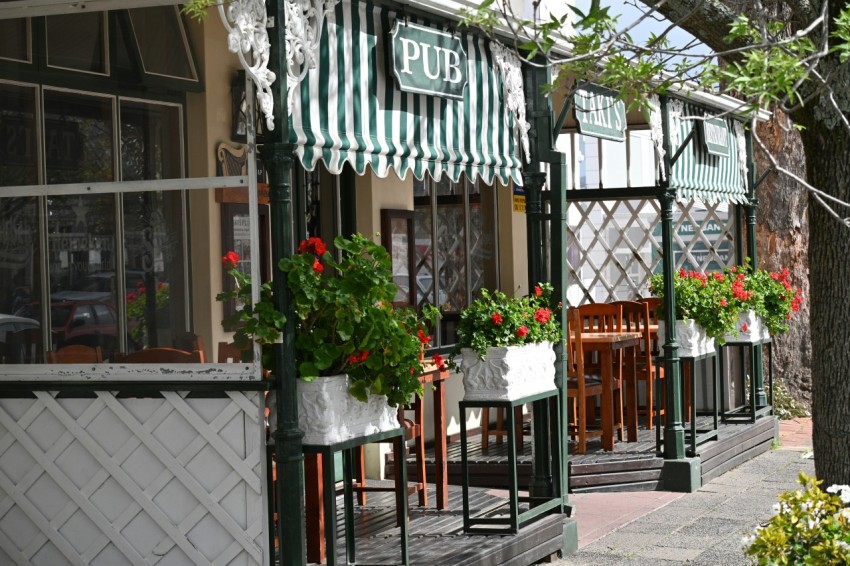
(745, 327)
(229, 260)
(439, 361)
(538, 291)
(522, 331)
(131, 297)
(723, 302)
(317, 266)
(313, 246)
(542, 315)
(424, 338)
(496, 318)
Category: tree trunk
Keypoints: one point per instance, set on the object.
(827, 147)
(782, 240)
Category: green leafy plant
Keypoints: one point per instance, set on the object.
(705, 298)
(785, 407)
(768, 293)
(346, 320)
(495, 319)
(810, 527)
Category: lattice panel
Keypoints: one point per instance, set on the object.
(614, 247)
(109, 480)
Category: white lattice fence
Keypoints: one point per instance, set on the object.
(113, 481)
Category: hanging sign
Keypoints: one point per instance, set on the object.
(715, 136)
(428, 61)
(599, 114)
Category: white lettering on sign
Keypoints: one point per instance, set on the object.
(715, 133)
(413, 51)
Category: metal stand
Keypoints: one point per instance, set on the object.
(748, 412)
(537, 505)
(693, 435)
(329, 498)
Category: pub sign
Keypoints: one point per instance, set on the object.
(428, 61)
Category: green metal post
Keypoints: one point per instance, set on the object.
(752, 207)
(534, 179)
(674, 433)
(278, 154)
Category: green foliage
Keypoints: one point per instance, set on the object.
(714, 300)
(810, 527)
(495, 319)
(786, 407)
(198, 9)
(347, 322)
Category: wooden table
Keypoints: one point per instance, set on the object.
(436, 377)
(606, 343)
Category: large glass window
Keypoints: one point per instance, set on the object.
(162, 42)
(115, 263)
(15, 40)
(455, 232)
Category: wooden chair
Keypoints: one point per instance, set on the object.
(188, 341)
(499, 431)
(636, 319)
(75, 354)
(228, 353)
(605, 317)
(653, 303)
(160, 356)
(582, 388)
(413, 430)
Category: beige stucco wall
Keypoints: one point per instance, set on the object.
(208, 123)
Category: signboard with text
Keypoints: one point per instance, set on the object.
(599, 114)
(715, 136)
(428, 61)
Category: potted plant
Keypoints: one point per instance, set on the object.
(505, 345)
(765, 301)
(357, 356)
(704, 310)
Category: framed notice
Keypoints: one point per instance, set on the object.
(397, 238)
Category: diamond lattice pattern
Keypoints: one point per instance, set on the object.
(109, 480)
(614, 247)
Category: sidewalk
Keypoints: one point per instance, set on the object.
(700, 528)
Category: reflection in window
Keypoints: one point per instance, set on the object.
(18, 150)
(78, 138)
(150, 141)
(15, 40)
(454, 231)
(77, 41)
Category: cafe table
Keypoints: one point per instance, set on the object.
(607, 343)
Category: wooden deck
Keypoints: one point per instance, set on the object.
(436, 538)
(633, 466)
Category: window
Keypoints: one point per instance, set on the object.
(114, 263)
(456, 247)
(15, 40)
(78, 42)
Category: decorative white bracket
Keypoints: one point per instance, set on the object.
(245, 21)
(656, 132)
(304, 22)
(511, 70)
(742, 148)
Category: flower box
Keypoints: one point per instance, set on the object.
(507, 373)
(748, 328)
(328, 414)
(690, 337)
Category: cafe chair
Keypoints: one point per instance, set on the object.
(75, 354)
(653, 303)
(160, 356)
(413, 430)
(636, 319)
(583, 387)
(487, 430)
(188, 341)
(228, 353)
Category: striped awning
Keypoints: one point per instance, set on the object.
(697, 174)
(349, 109)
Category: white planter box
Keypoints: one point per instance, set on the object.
(690, 338)
(508, 372)
(755, 329)
(328, 414)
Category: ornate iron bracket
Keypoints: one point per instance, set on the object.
(511, 70)
(304, 22)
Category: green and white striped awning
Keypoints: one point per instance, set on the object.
(696, 174)
(349, 109)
